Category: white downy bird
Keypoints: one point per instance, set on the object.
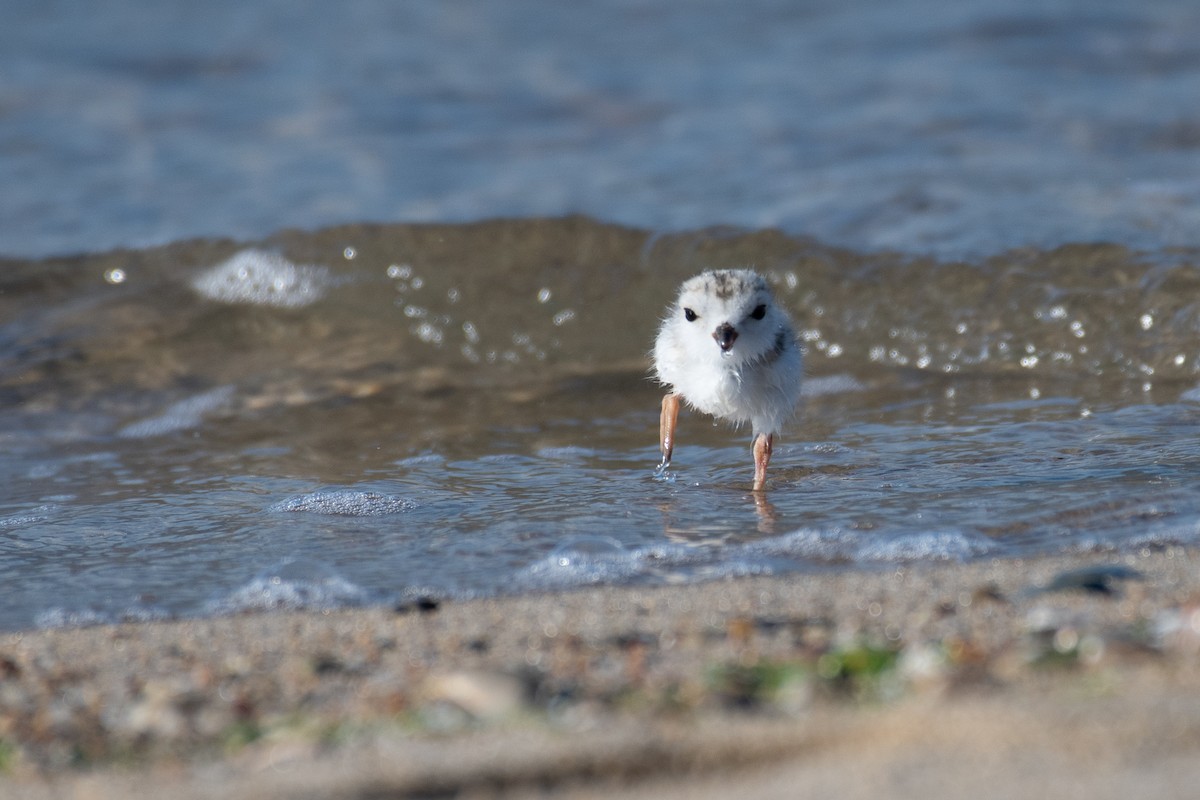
(728, 349)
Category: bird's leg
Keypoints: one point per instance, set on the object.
(763, 444)
(666, 429)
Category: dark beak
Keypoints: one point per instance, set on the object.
(725, 334)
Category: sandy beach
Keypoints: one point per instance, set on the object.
(1061, 676)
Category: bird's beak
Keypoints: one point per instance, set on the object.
(725, 334)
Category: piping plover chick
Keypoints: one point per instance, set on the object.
(727, 348)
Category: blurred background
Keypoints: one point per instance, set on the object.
(924, 126)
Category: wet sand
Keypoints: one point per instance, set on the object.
(1062, 676)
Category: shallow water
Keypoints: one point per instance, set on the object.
(374, 413)
(370, 413)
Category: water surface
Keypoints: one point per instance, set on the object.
(373, 413)
(953, 127)
(984, 218)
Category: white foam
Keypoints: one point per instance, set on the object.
(837, 544)
(291, 585)
(582, 561)
(948, 545)
(260, 278)
(60, 617)
(1183, 532)
(589, 561)
(346, 503)
(33, 515)
(186, 413)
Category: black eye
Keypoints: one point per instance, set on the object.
(759, 312)
(689, 315)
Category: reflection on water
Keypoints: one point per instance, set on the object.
(467, 410)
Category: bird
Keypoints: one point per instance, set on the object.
(727, 348)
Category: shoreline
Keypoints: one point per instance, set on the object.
(1083, 668)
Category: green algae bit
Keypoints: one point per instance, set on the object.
(756, 685)
(856, 665)
(861, 671)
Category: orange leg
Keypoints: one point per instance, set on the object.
(666, 429)
(763, 443)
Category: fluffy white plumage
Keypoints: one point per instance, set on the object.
(728, 349)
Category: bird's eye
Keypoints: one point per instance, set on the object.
(689, 315)
(759, 312)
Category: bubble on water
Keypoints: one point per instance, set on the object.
(564, 316)
(428, 333)
(115, 276)
(399, 271)
(543, 296)
(349, 254)
(256, 277)
(1146, 321)
(346, 503)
